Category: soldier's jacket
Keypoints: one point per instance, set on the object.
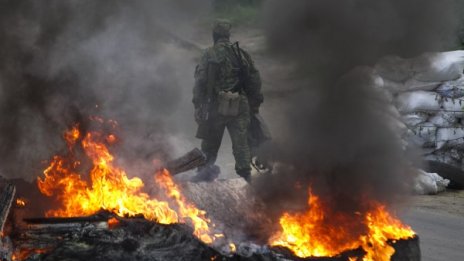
(227, 76)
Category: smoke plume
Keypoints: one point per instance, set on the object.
(336, 137)
(62, 61)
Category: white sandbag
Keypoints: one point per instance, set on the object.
(416, 85)
(450, 157)
(415, 118)
(424, 135)
(452, 89)
(444, 119)
(454, 106)
(429, 183)
(409, 85)
(438, 67)
(450, 138)
(418, 101)
(429, 67)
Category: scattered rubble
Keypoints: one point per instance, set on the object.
(7, 195)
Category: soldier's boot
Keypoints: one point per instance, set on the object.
(245, 174)
(206, 173)
(210, 147)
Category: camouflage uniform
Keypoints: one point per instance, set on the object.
(227, 78)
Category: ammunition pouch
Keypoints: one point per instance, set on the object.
(228, 103)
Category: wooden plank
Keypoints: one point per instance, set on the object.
(189, 161)
(7, 195)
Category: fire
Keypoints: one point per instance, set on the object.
(113, 222)
(20, 202)
(23, 254)
(108, 187)
(188, 211)
(232, 247)
(313, 233)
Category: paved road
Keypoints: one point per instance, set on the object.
(441, 231)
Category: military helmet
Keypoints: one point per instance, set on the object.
(222, 28)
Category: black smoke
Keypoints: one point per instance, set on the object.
(61, 61)
(336, 134)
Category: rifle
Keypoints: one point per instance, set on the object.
(243, 73)
(258, 132)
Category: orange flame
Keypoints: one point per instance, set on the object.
(23, 254)
(113, 222)
(186, 210)
(313, 233)
(109, 187)
(20, 202)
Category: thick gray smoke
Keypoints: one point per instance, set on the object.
(336, 136)
(62, 61)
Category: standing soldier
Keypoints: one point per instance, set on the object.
(227, 92)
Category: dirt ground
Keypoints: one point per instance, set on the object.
(439, 222)
(450, 202)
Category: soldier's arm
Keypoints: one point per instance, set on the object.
(253, 86)
(201, 75)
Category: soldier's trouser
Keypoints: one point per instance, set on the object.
(237, 127)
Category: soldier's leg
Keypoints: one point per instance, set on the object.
(238, 130)
(210, 145)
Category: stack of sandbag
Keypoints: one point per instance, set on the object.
(428, 92)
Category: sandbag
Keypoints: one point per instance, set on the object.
(454, 106)
(418, 101)
(444, 119)
(416, 85)
(409, 86)
(415, 118)
(429, 67)
(438, 67)
(450, 138)
(444, 157)
(424, 135)
(452, 89)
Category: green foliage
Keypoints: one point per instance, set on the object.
(225, 4)
(239, 12)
